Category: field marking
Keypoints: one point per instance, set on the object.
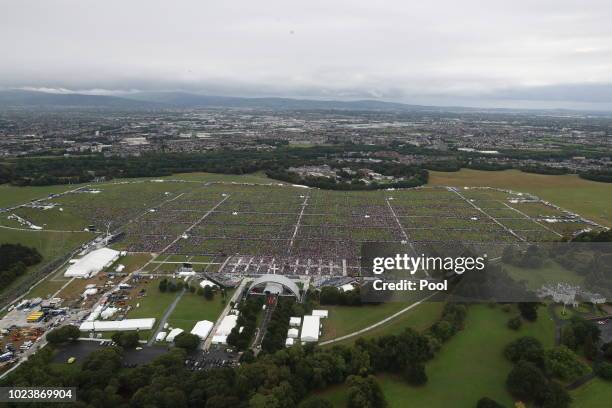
(508, 230)
(532, 220)
(297, 224)
(192, 226)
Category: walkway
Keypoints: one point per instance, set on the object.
(380, 323)
(228, 307)
(165, 317)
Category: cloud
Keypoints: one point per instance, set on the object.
(441, 50)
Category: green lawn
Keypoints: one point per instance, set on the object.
(50, 245)
(594, 394)
(469, 366)
(193, 308)
(419, 318)
(550, 272)
(11, 195)
(347, 319)
(588, 198)
(154, 304)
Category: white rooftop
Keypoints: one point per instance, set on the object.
(118, 325)
(92, 263)
(173, 333)
(310, 329)
(202, 329)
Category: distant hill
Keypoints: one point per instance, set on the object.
(185, 99)
(161, 100)
(178, 100)
(19, 98)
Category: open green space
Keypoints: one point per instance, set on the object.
(50, 245)
(351, 319)
(11, 195)
(153, 304)
(193, 308)
(588, 198)
(596, 393)
(550, 272)
(470, 366)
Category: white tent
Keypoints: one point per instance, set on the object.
(226, 326)
(293, 333)
(173, 333)
(108, 312)
(206, 283)
(310, 329)
(219, 340)
(95, 313)
(118, 325)
(321, 313)
(202, 329)
(89, 292)
(347, 288)
(161, 336)
(92, 263)
(295, 321)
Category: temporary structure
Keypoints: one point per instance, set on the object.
(92, 263)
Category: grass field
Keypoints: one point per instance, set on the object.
(550, 272)
(595, 394)
(469, 366)
(193, 308)
(11, 195)
(588, 198)
(50, 245)
(345, 319)
(154, 304)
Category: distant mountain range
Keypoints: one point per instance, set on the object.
(166, 100)
(170, 100)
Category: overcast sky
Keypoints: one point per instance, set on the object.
(469, 52)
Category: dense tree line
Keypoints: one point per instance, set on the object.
(276, 331)
(249, 309)
(63, 334)
(14, 261)
(331, 295)
(601, 176)
(534, 377)
(277, 379)
(79, 169)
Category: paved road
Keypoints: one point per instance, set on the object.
(165, 317)
(228, 307)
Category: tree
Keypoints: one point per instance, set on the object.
(525, 348)
(63, 334)
(515, 323)
(415, 374)
(163, 285)
(208, 293)
(486, 402)
(127, 340)
(315, 402)
(529, 310)
(187, 341)
(365, 392)
(604, 370)
(555, 396)
(526, 381)
(561, 362)
(589, 347)
(330, 295)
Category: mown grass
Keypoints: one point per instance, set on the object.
(470, 366)
(588, 198)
